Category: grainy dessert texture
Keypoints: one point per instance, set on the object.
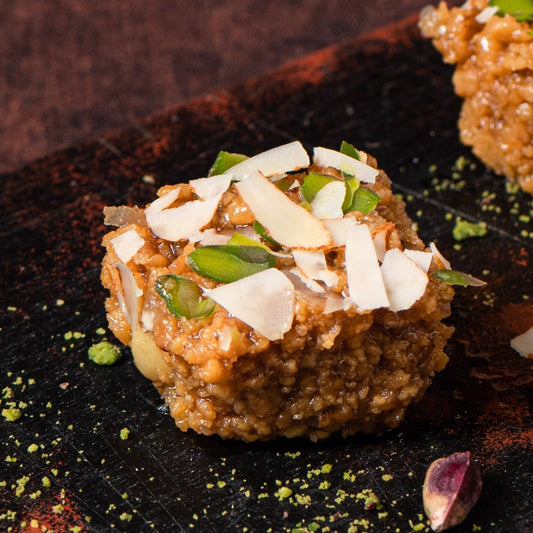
(493, 54)
(316, 350)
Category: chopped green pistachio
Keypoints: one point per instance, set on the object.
(11, 414)
(124, 433)
(349, 149)
(455, 277)
(183, 297)
(464, 229)
(104, 353)
(229, 263)
(326, 469)
(224, 161)
(283, 493)
(521, 10)
(21, 485)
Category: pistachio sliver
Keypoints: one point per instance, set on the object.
(521, 10)
(364, 200)
(183, 297)
(349, 149)
(455, 277)
(312, 183)
(352, 184)
(224, 161)
(228, 263)
(238, 239)
(262, 232)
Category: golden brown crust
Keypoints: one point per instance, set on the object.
(346, 371)
(493, 74)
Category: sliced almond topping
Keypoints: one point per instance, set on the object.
(523, 344)
(264, 301)
(128, 298)
(213, 186)
(127, 244)
(163, 201)
(308, 282)
(287, 222)
(278, 160)
(483, 16)
(310, 262)
(404, 279)
(334, 302)
(328, 200)
(325, 157)
(338, 229)
(209, 237)
(380, 244)
(422, 259)
(365, 283)
(179, 223)
(441, 260)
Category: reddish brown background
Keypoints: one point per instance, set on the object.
(73, 69)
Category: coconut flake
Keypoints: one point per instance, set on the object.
(523, 344)
(325, 157)
(404, 280)
(213, 186)
(127, 244)
(264, 301)
(287, 222)
(278, 160)
(329, 199)
(422, 259)
(439, 258)
(128, 297)
(179, 223)
(365, 283)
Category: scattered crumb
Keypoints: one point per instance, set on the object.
(104, 353)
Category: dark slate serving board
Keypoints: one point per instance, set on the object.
(389, 94)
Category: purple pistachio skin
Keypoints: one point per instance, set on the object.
(451, 488)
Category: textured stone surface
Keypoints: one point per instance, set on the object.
(73, 69)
